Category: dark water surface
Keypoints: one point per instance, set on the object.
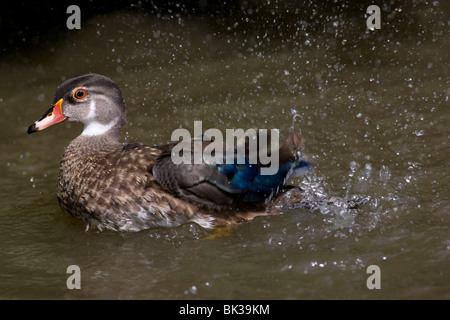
(374, 111)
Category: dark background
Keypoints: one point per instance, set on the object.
(26, 24)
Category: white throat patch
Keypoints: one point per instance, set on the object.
(93, 128)
(96, 129)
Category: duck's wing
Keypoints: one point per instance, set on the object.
(224, 185)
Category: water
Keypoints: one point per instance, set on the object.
(374, 111)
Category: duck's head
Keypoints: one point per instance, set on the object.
(92, 99)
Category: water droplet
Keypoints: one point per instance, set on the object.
(385, 173)
(353, 166)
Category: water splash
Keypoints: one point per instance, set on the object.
(295, 114)
(338, 212)
(384, 174)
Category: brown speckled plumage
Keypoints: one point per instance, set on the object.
(112, 187)
(130, 187)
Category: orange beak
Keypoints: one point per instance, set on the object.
(53, 116)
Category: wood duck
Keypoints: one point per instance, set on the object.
(131, 187)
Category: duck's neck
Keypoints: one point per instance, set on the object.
(99, 134)
(88, 145)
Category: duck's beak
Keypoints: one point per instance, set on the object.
(53, 116)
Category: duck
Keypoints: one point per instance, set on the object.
(118, 186)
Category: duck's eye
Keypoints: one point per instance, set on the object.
(79, 94)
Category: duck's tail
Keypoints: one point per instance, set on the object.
(263, 187)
